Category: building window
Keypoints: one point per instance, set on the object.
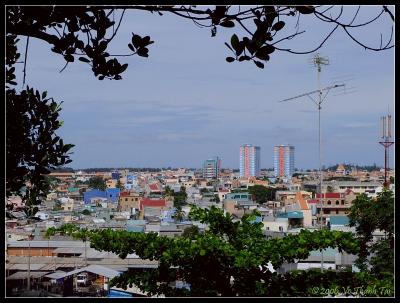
(329, 202)
(337, 211)
(337, 202)
(280, 228)
(126, 199)
(342, 202)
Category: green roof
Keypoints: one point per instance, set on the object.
(73, 189)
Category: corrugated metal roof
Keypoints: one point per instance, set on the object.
(96, 269)
(20, 275)
(45, 244)
(25, 266)
(69, 250)
(56, 275)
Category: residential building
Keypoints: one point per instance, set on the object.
(283, 161)
(249, 161)
(211, 168)
(128, 200)
(110, 193)
(238, 204)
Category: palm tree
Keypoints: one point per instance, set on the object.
(179, 214)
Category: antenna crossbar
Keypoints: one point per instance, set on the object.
(313, 92)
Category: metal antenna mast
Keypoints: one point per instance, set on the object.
(386, 135)
(317, 61)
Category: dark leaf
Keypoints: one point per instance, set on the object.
(227, 23)
(136, 40)
(230, 59)
(101, 77)
(259, 64)
(264, 51)
(69, 58)
(305, 9)
(146, 40)
(131, 47)
(83, 59)
(123, 67)
(242, 58)
(278, 26)
(143, 52)
(234, 41)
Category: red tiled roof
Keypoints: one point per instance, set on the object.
(348, 191)
(152, 203)
(312, 201)
(153, 187)
(302, 202)
(329, 195)
(124, 194)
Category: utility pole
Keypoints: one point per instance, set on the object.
(317, 61)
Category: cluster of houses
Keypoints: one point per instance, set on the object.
(144, 202)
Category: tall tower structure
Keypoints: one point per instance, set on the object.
(386, 142)
(249, 160)
(283, 161)
(211, 168)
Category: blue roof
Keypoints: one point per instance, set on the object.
(339, 220)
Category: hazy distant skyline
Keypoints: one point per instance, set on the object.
(185, 103)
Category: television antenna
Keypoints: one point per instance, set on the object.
(317, 61)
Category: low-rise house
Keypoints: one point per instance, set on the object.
(275, 224)
(154, 189)
(239, 203)
(128, 201)
(111, 194)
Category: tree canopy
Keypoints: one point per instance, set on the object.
(260, 193)
(367, 215)
(236, 255)
(98, 183)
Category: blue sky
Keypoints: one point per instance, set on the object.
(185, 103)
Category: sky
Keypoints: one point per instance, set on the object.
(184, 103)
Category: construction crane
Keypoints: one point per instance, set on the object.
(317, 61)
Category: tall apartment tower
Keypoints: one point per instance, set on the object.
(211, 168)
(249, 160)
(283, 161)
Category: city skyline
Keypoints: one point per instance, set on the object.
(201, 110)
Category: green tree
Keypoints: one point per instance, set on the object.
(228, 259)
(259, 193)
(119, 185)
(329, 189)
(204, 190)
(179, 214)
(367, 215)
(168, 192)
(180, 197)
(191, 232)
(217, 198)
(86, 212)
(98, 183)
(32, 146)
(57, 206)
